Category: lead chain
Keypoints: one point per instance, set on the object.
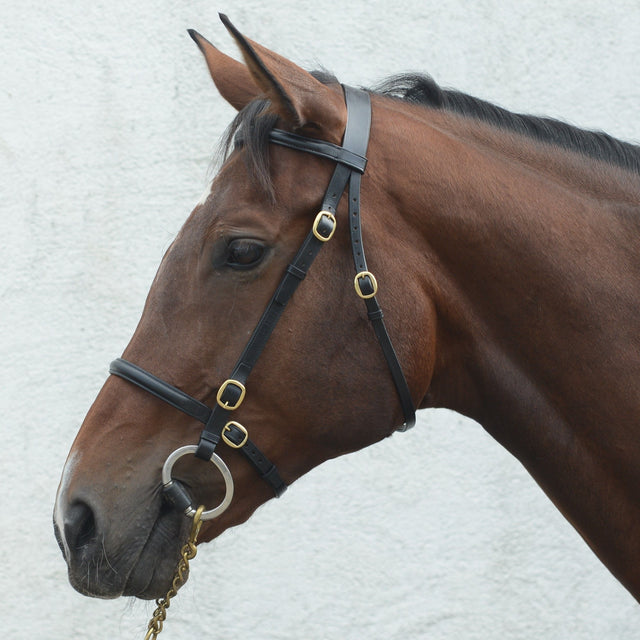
(188, 552)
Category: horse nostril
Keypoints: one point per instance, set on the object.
(79, 526)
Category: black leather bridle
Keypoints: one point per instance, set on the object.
(350, 165)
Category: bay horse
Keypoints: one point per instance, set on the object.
(506, 254)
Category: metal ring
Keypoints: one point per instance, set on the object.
(221, 466)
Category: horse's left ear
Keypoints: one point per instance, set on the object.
(297, 97)
(232, 78)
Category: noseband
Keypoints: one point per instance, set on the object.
(350, 165)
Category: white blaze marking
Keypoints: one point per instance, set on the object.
(204, 196)
(58, 512)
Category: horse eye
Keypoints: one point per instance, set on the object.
(244, 254)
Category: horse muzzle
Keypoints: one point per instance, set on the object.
(130, 548)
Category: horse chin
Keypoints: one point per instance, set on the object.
(154, 569)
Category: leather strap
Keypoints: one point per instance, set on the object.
(160, 389)
(348, 157)
(359, 101)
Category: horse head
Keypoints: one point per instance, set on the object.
(321, 387)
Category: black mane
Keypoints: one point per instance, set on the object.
(250, 128)
(422, 89)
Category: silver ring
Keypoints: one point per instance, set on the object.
(221, 466)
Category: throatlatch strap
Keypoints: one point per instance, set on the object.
(359, 101)
(374, 311)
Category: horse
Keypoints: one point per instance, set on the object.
(502, 283)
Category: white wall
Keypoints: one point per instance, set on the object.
(108, 122)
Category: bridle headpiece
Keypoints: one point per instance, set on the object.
(350, 162)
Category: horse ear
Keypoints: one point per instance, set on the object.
(295, 94)
(232, 78)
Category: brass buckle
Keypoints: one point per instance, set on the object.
(319, 219)
(374, 284)
(237, 425)
(223, 388)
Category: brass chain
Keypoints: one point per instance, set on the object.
(187, 553)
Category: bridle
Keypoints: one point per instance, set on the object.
(350, 166)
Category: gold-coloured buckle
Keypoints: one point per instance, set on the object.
(318, 220)
(374, 283)
(237, 425)
(223, 388)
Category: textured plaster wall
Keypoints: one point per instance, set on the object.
(108, 123)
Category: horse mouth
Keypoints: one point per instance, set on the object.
(140, 565)
(154, 569)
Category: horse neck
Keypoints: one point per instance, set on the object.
(533, 251)
(534, 265)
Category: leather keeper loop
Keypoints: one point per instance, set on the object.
(296, 272)
(206, 445)
(273, 478)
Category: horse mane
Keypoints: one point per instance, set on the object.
(423, 90)
(251, 127)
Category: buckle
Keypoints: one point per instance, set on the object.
(235, 429)
(366, 285)
(235, 394)
(324, 226)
